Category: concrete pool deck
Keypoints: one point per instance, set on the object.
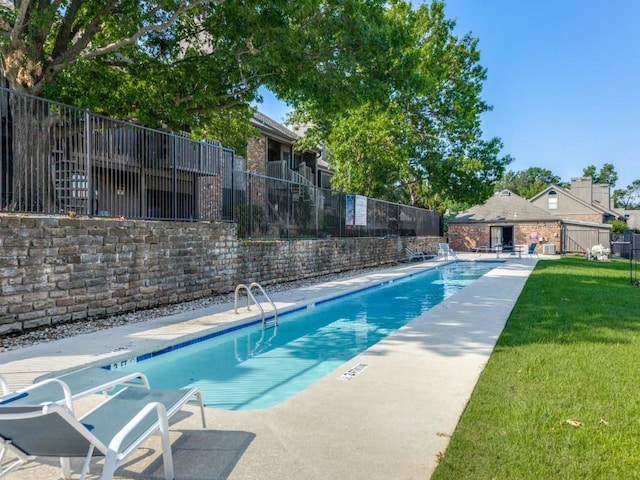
(391, 421)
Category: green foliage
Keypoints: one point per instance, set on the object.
(250, 219)
(392, 91)
(563, 355)
(204, 68)
(618, 226)
(527, 183)
(629, 197)
(422, 144)
(368, 152)
(607, 174)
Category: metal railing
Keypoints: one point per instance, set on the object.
(57, 159)
(60, 159)
(270, 208)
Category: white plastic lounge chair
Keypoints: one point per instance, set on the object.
(76, 384)
(67, 388)
(445, 252)
(114, 429)
(415, 255)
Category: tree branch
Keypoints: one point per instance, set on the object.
(144, 30)
(65, 33)
(78, 49)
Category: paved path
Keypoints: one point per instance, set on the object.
(389, 422)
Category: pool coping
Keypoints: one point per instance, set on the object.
(23, 366)
(390, 421)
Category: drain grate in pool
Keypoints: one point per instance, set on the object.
(353, 371)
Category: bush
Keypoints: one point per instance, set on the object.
(618, 226)
(249, 220)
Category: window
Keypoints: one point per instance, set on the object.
(552, 200)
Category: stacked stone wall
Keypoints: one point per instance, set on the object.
(60, 269)
(285, 261)
(56, 270)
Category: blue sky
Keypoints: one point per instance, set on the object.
(563, 77)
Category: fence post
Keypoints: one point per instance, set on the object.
(174, 206)
(91, 194)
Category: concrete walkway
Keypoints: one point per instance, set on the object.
(391, 421)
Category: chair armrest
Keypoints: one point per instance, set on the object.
(5, 385)
(67, 397)
(162, 422)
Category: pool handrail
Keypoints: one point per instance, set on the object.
(251, 297)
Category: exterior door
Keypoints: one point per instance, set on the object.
(501, 235)
(496, 236)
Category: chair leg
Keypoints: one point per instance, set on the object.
(87, 463)
(167, 456)
(110, 464)
(65, 466)
(20, 459)
(201, 405)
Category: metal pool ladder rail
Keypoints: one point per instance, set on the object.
(251, 297)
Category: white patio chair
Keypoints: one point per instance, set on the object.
(445, 252)
(114, 429)
(415, 255)
(76, 384)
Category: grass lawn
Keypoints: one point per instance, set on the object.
(560, 395)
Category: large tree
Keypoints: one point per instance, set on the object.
(629, 197)
(185, 65)
(607, 174)
(196, 64)
(430, 113)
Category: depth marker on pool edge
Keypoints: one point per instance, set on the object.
(353, 371)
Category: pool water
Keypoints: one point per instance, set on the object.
(256, 368)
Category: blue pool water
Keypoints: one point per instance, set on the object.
(252, 368)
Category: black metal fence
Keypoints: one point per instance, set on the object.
(60, 159)
(57, 159)
(634, 259)
(268, 208)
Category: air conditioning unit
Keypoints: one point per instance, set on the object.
(549, 249)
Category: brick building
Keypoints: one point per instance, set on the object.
(505, 219)
(567, 220)
(273, 153)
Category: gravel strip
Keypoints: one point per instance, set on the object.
(64, 330)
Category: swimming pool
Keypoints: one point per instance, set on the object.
(255, 368)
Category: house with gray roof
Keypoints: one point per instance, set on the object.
(557, 219)
(505, 219)
(584, 201)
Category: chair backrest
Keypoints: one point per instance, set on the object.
(444, 247)
(532, 247)
(44, 431)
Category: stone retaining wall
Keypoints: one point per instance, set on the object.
(60, 269)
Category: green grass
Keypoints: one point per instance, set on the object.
(570, 351)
